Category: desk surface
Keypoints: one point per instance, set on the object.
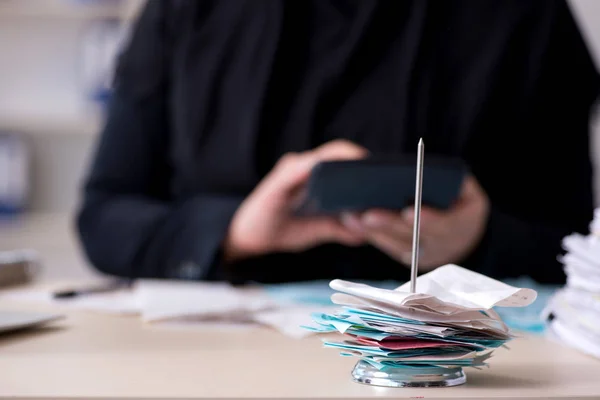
(89, 355)
(94, 355)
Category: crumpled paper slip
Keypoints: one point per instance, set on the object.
(447, 290)
(460, 286)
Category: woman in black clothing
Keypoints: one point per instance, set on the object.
(221, 107)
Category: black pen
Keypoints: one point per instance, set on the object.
(102, 288)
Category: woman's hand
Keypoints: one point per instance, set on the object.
(264, 222)
(445, 236)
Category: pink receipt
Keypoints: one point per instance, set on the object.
(404, 344)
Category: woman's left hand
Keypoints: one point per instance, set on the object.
(446, 236)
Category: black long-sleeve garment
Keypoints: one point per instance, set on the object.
(209, 94)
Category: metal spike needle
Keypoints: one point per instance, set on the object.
(417, 218)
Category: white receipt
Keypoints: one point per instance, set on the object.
(457, 285)
(449, 291)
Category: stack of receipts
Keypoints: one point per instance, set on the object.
(574, 311)
(449, 321)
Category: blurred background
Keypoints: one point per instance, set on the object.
(56, 60)
(56, 63)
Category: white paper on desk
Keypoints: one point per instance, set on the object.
(460, 286)
(573, 338)
(188, 304)
(577, 313)
(290, 320)
(166, 300)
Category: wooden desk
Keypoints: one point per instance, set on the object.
(90, 355)
(99, 356)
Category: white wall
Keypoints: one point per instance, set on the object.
(42, 94)
(39, 81)
(39, 76)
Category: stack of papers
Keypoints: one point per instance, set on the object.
(574, 311)
(448, 322)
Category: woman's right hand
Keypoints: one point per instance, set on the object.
(264, 222)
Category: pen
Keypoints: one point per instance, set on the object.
(101, 288)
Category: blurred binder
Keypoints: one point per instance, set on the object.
(14, 173)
